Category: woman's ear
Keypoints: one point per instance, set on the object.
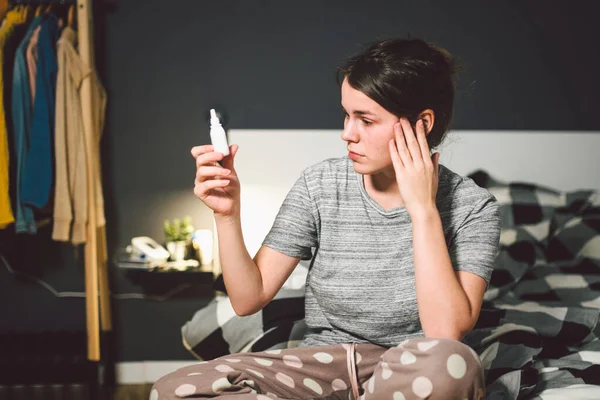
(428, 117)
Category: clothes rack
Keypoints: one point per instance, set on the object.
(98, 316)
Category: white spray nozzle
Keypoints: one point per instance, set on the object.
(218, 137)
(214, 120)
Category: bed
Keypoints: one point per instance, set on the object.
(537, 334)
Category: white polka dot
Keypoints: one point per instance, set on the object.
(371, 386)
(233, 360)
(224, 368)
(424, 346)
(220, 385)
(386, 372)
(358, 358)
(272, 395)
(273, 351)
(255, 373)
(154, 394)
(338, 384)
(185, 390)
(194, 373)
(263, 361)
(403, 343)
(407, 358)
(399, 396)
(309, 383)
(422, 386)
(346, 346)
(262, 397)
(457, 366)
(323, 357)
(292, 361)
(286, 380)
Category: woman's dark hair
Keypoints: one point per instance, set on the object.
(406, 77)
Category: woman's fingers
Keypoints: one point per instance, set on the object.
(229, 160)
(205, 172)
(422, 139)
(401, 145)
(199, 150)
(202, 189)
(208, 159)
(411, 142)
(396, 161)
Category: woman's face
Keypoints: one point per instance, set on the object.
(368, 128)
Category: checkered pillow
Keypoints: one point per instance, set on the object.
(539, 224)
(575, 231)
(525, 205)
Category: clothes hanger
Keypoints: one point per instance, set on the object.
(20, 12)
(23, 12)
(28, 13)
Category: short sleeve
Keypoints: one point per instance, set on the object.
(294, 231)
(475, 244)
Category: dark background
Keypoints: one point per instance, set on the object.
(531, 65)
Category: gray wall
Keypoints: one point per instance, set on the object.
(531, 65)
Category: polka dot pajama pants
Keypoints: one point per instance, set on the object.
(418, 368)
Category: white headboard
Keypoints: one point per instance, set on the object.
(269, 162)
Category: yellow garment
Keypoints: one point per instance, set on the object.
(70, 196)
(11, 20)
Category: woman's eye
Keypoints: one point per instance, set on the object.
(367, 122)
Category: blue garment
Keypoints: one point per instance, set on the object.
(38, 170)
(22, 113)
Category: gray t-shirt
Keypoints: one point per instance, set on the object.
(361, 284)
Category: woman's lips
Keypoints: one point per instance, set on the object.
(354, 156)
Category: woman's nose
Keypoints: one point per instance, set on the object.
(349, 134)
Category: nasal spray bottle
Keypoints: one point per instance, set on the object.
(218, 137)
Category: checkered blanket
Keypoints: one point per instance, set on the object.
(215, 330)
(537, 334)
(538, 330)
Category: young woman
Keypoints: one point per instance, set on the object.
(402, 250)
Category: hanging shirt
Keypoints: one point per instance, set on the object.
(32, 57)
(22, 115)
(11, 20)
(16, 25)
(38, 169)
(70, 191)
(70, 149)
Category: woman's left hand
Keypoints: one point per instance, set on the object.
(416, 170)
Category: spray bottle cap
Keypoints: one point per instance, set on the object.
(214, 120)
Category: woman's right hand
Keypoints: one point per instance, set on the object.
(218, 187)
